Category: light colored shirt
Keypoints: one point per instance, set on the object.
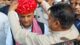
(32, 39)
(5, 32)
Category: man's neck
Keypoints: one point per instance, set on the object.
(27, 27)
(60, 30)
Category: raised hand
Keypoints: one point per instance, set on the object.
(13, 5)
(39, 1)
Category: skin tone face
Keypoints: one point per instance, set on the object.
(73, 3)
(76, 6)
(26, 19)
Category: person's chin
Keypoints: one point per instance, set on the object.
(26, 26)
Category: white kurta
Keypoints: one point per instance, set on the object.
(5, 33)
(32, 39)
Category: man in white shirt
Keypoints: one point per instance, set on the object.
(61, 19)
(5, 32)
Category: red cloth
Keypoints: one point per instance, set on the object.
(26, 6)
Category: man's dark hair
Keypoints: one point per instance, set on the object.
(64, 14)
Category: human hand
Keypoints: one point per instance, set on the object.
(39, 1)
(13, 5)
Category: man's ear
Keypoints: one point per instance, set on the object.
(57, 24)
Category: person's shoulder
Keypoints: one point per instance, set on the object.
(5, 9)
(3, 16)
(73, 28)
(74, 31)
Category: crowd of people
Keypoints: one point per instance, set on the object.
(39, 22)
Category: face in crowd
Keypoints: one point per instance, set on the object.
(26, 19)
(76, 6)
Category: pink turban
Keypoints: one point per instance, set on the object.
(26, 6)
